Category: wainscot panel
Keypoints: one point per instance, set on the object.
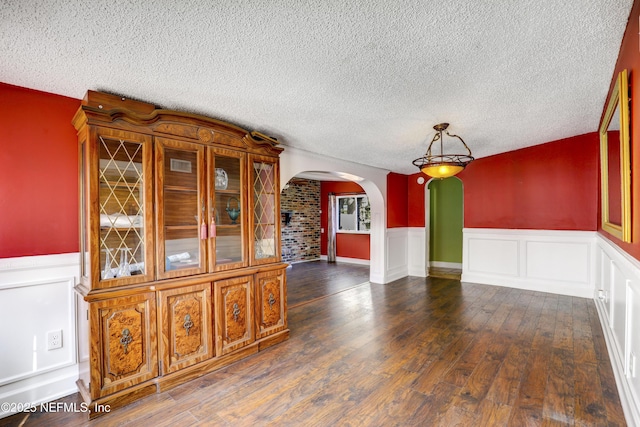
(560, 262)
(37, 298)
(617, 297)
(397, 245)
(417, 251)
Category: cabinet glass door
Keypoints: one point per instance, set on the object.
(227, 209)
(124, 201)
(265, 246)
(181, 214)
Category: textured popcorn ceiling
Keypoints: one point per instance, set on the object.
(357, 80)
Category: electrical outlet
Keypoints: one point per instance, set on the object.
(54, 339)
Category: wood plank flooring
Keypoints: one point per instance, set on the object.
(309, 281)
(415, 352)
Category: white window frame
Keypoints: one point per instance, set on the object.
(358, 215)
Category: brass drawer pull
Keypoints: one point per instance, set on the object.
(271, 301)
(188, 324)
(126, 339)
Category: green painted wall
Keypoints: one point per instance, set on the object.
(445, 227)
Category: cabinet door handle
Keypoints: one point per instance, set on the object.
(188, 324)
(212, 224)
(271, 301)
(236, 311)
(203, 226)
(126, 339)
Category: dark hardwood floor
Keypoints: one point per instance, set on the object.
(309, 281)
(415, 352)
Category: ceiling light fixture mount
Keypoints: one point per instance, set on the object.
(443, 165)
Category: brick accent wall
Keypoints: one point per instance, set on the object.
(301, 238)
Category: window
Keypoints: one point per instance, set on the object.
(354, 214)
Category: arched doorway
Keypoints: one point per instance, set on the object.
(444, 219)
(373, 181)
(304, 202)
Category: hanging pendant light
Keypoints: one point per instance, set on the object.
(443, 165)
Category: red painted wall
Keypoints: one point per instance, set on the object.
(38, 173)
(416, 199)
(629, 59)
(553, 186)
(352, 245)
(348, 245)
(405, 200)
(397, 202)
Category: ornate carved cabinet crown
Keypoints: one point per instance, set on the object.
(180, 247)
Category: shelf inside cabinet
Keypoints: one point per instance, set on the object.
(181, 189)
(173, 232)
(232, 192)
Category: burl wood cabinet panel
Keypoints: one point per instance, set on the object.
(271, 305)
(125, 351)
(186, 337)
(234, 314)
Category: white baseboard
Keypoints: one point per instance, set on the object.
(346, 260)
(443, 264)
(40, 389)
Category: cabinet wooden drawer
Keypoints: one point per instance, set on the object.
(186, 335)
(124, 343)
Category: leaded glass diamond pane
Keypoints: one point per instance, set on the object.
(122, 225)
(264, 210)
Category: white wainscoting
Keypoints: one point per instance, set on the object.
(560, 262)
(405, 254)
(417, 243)
(37, 296)
(397, 253)
(617, 297)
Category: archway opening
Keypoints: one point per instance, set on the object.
(299, 163)
(304, 205)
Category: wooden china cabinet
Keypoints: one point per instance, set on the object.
(180, 253)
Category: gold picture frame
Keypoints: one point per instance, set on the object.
(615, 164)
